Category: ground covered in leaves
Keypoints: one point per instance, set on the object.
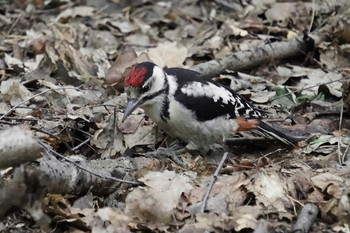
(64, 149)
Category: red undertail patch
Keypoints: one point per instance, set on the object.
(246, 125)
(135, 77)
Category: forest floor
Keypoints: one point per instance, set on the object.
(68, 163)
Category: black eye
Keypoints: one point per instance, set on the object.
(145, 88)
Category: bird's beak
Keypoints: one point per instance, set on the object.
(130, 107)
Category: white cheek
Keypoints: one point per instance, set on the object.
(172, 84)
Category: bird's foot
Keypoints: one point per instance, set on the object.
(171, 152)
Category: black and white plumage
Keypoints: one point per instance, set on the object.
(190, 107)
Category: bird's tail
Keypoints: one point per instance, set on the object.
(266, 130)
(275, 133)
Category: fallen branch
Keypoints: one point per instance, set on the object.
(93, 172)
(306, 218)
(17, 146)
(26, 190)
(31, 182)
(82, 176)
(247, 59)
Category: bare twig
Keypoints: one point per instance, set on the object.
(306, 88)
(213, 179)
(273, 152)
(346, 153)
(312, 15)
(340, 155)
(306, 218)
(115, 129)
(81, 144)
(70, 109)
(45, 132)
(341, 115)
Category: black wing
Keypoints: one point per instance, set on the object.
(205, 106)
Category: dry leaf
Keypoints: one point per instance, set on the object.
(156, 201)
(170, 54)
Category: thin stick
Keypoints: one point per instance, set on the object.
(115, 129)
(81, 144)
(340, 155)
(306, 88)
(86, 169)
(341, 114)
(312, 15)
(70, 110)
(273, 152)
(32, 97)
(211, 184)
(346, 153)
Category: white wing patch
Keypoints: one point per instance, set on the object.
(197, 89)
(222, 95)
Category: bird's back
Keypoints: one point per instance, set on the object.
(209, 99)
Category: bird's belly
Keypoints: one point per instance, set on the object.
(182, 124)
(204, 134)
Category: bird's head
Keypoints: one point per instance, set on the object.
(142, 85)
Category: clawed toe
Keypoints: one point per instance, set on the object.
(162, 152)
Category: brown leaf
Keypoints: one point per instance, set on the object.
(284, 12)
(324, 180)
(75, 12)
(170, 54)
(156, 201)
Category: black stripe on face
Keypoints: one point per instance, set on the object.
(151, 96)
(155, 94)
(165, 115)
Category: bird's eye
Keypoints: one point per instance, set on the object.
(145, 88)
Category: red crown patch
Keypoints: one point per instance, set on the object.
(135, 77)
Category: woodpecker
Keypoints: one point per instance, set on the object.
(188, 106)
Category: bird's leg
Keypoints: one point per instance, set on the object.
(212, 153)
